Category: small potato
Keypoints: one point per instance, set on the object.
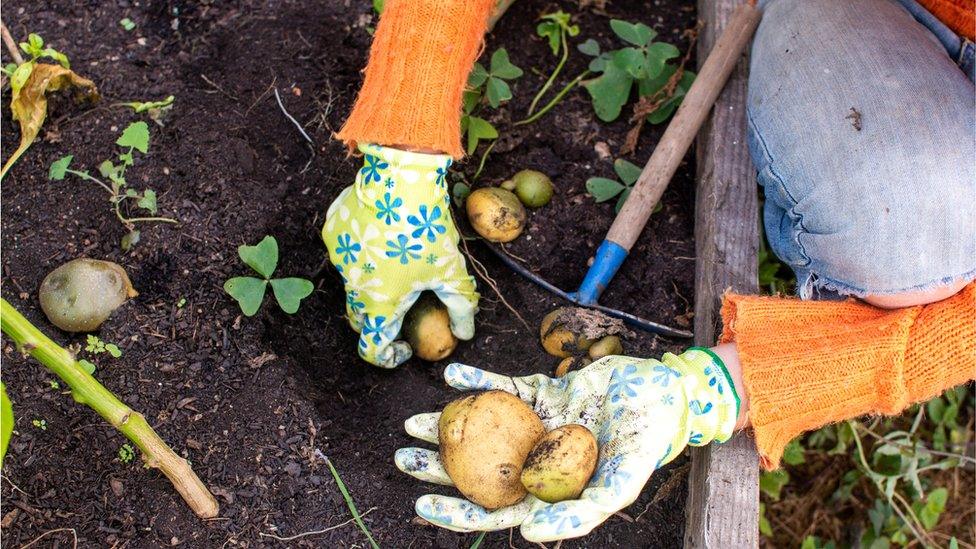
(484, 440)
(609, 345)
(81, 294)
(570, 364)
(427, 327)
(561, 464)
(496, 214)
(533, 188)
(557, 339)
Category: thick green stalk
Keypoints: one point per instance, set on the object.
(88, 391)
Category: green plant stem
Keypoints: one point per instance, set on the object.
(555, 73)
(117, 199)
(350, 503)
(559, 96)
(484, 156)
(88, 391)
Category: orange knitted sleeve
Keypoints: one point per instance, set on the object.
(418, 66)
(809, 363)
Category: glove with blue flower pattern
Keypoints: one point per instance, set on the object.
(643, 413)
(391, 236)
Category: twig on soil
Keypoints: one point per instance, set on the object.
(218, 88)
(314, 532)
(482, 272)
(292, 118)
(345, 495)
(648, 104)
(74, 534)
(8, 41)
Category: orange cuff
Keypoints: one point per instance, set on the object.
(418, 67)
(806, 364)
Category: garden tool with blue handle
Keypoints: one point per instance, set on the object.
(656, 175)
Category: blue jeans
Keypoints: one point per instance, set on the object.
(861, 127)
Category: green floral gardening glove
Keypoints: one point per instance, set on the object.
(642, 412)
(391, 236)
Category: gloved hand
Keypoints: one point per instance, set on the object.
(391, 236)
(642, 412)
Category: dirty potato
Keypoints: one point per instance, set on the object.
(484, 440)
(81, 294)
(561, 464)
(557, 339)
(607, 346)
(496, 214)
(427, 327)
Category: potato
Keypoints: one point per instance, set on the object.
(557, 339)
(609, 345)
(484, 440)
(560, 464)
(571, 363)
(81, 294)
(534, 189)
(496, 214)
(427, 327)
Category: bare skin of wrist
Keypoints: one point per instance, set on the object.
(730, 356)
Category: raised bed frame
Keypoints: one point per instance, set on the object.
(723, 491)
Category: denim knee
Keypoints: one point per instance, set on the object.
(861, 129)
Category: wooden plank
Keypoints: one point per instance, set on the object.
(723, 492)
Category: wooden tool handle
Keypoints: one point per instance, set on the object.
(697, 103)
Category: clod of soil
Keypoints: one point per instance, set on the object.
(496, 214)
(484, 440)
(81, 294)
(560, 464)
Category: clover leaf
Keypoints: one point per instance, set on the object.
(249, 291)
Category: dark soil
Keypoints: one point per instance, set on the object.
(254, 402)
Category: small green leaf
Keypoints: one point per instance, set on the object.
(87, 366)
(630, 60)
(765, 528)
(771, 483)
(935, 407)
(290, 292)
(61, 58)
(610, 91)
(143, 106)
(113, 350)
(262, 257)
(108, 168)
(469, 100)
(130, 239)
(637, 34)
(6, 421)
(248, 291)
(622, 200)
(127, 24)
(793, 454)
(603, 189)
(501, 67)
(477, 76)
(378, 6)
(478, 129)
(136, 135)
(35, 41)
(20, 76)
(497, 91)
(552, 32)
(657, 56)
(589, 47)
(59, 168)
(628, 171)
(148, 201)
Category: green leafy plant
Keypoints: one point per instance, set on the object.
(556, 28)
(603, 189)
(96, 346)
(249, 291)
(644, 63)
(486, 87)
(135, 137)
(126, 453)
(155, 109)
(29, 83)
(127, 24)
(88, 391)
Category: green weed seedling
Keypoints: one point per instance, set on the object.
(486, 87)
(40, 424)
(127, 24)
(135, 137)
(603, 189)
(155, 109)
(556, 28)
(126, 453)
(96, 346)
(644, 63)
(34, 48)
(249, 291)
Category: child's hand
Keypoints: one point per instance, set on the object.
(642, 412)
(391, 236)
